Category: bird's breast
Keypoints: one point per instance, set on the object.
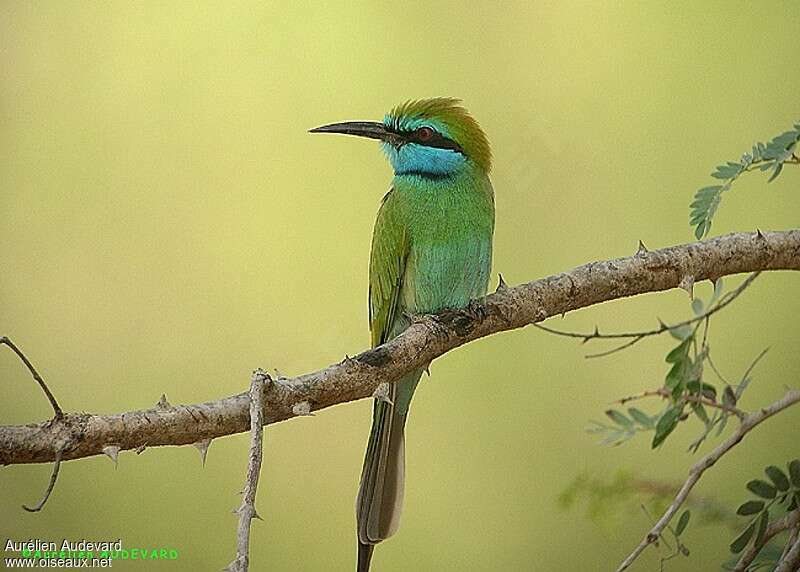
(450, 253)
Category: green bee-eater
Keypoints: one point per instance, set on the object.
(431, 249)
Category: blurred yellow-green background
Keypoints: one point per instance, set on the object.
(167, 225)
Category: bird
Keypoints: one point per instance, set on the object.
(431, 250)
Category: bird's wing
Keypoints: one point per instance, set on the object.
(386, 268)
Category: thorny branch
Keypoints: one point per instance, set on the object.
(750, 422)
(636, 337)
(428, 337)
(73, 436)
(247, 510)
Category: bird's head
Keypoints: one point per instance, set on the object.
(428, 137)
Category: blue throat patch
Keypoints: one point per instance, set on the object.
(421, 160)
(415, 159)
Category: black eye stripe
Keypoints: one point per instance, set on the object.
(437, 140)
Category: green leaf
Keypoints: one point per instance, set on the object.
(727, 171)
(700, 411)
(708, 192)
(740, 388)
(778, 478)
(750, 507)
(666, 424)
(779, 144)
(718, 285)
(697, 306)
(641, 418)
(679, 352)
(697, 217)
(701, 388)
(776, 172)
(761, 489)
(682, 522)
(701, 230)
(675, 375)
(741, 541)
(700, 205)
(729, 397)
(681, 333)
(619, 418)
(794, 473)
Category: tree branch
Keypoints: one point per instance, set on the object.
(636, 337)
(790, 561)
(788, 522)
(247, 510)
(751, 421)
(427, 338)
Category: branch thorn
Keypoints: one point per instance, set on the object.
(203, 446)
(112, 452)
(642, 250)
(501, 284)
(687, 283)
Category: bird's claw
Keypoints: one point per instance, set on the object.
(477, 309)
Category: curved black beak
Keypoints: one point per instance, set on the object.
(369, 129)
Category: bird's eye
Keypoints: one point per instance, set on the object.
(424, 133)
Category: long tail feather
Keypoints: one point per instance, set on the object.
(364, 556)
(380, 494)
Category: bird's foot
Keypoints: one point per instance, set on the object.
(477, 309)
(438, 325)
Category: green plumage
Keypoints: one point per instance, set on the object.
(431, 249)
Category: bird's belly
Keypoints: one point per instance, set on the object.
(446, 274)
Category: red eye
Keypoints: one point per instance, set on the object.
(424, 133)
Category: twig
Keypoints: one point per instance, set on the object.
(51, 485)
(619, 348)
(247, 510)
(635, 337)
(750, 421)
(789, 521)
(638, 396)
(58, 412)
(714, 368)
(690, 398)
(752, 366)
